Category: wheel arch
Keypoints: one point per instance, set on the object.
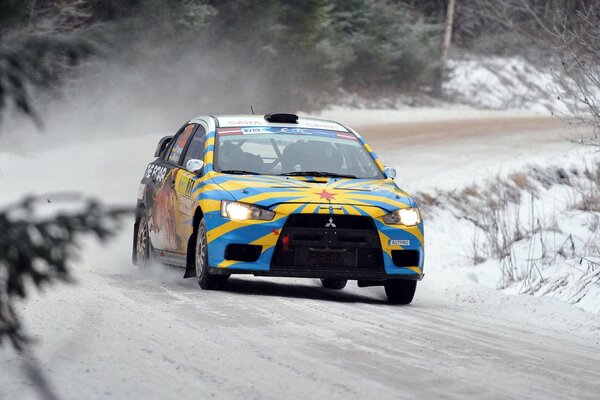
(190, 270)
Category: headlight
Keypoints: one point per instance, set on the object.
(242, 211)
(403, 216)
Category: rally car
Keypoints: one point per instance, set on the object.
(278, 195)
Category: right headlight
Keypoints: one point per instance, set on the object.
(403, 216)
(244, 211)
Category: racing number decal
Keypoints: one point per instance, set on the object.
(156, 173)
(185, 187)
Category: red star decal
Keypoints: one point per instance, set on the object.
(326, 195)
(275, 231)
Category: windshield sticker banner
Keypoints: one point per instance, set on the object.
(284, 130)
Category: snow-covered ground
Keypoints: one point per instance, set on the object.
(502, 83)
(123, 333)
(492, 83)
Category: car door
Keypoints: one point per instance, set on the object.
(163, 209)
(184, 185)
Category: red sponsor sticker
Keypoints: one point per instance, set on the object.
(345, 135)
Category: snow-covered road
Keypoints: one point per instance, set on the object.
(128, 334)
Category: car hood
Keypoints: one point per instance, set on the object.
(270, 191)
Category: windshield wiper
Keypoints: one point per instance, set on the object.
(238, 172)
(318, 173)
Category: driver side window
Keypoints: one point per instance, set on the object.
(196, 146)
(179, 145)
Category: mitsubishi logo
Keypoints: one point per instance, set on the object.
(330, 224)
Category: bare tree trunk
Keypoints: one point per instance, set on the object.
(445, 45)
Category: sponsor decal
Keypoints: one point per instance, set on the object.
(185, 187)
(243, 122)
(286, 130)
(302, 124)
(396, 242)
(156, 173)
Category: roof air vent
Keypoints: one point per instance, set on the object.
(282, 117)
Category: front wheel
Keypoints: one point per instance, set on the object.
(400, 291)
(335, 284)
(205, 280)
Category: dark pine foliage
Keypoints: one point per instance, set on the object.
(37, 251)
(38, 62)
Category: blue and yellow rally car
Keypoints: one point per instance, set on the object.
(278, 195)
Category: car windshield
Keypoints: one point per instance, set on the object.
(294, 152)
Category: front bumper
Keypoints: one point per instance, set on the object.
(392, 244)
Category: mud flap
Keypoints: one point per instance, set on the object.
(190, 272)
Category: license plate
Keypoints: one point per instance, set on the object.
(327, 258)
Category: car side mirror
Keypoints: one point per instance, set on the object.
(389, 172)
(162, 145)
(195, 166)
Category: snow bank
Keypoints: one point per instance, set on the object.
(527, 233)
(502, 83)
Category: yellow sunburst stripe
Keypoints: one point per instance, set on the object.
(385, 240)
(208, 157)
(413, 230)
(379, 199)
(206, 189)
(288, 208)
(297, 195)
(209, 205)
(416, 269)
(352, 210)
(233, 225)
(234, 185)
(352, 185)
(324, 209)
(310, 208)
(227, 263)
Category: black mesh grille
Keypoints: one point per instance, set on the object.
(329, 245)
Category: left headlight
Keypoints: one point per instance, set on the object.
(403, 216)
(243, 211)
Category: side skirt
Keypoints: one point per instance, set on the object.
(167, 257)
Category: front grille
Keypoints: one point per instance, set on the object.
(324, 245)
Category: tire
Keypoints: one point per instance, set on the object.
(334, 284)
(205, 280)
(142, 242)
(400, 291)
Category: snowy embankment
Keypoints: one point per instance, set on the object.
(501, 83)
(533, 232)
(491, 84)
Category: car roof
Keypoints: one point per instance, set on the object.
(229, 121)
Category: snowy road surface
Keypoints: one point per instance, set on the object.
(128, 334)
